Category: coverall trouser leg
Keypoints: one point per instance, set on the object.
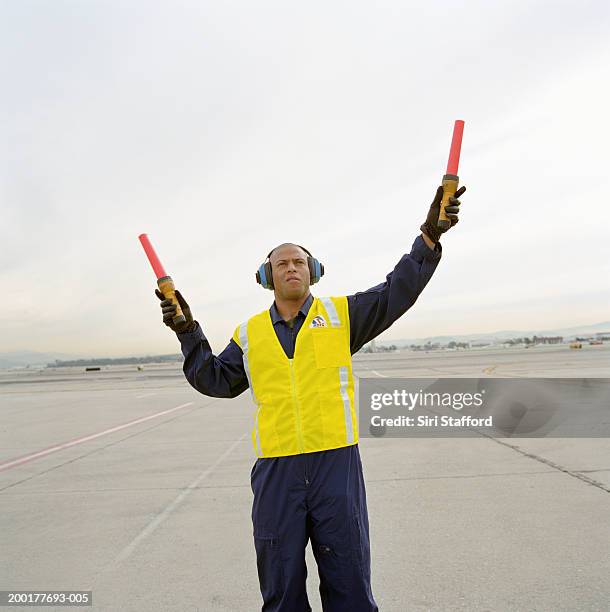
(318, 496)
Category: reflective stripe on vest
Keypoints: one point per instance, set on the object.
(343, 381)
(243, 340)
(331, 310)
(304, 404)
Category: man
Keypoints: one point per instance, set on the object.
(296, 359)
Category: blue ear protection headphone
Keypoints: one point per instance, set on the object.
(264, 275)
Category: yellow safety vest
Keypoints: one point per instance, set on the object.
(304, 404)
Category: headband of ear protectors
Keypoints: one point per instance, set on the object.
(264, 276)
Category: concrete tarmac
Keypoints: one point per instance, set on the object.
(133, 485)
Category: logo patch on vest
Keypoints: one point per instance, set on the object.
(318, 321)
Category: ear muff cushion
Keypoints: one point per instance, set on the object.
(261, 276)
(312, 269)
(316, 270)
(264, 275)
(268, 275)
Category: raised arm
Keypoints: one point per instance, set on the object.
(373, 311)
(216, 376)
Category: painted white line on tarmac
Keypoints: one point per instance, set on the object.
(378, 374)
(145, 395)
(58, 447)
(152, 526)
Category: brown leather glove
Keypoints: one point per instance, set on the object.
(430, 227)
(169, 311)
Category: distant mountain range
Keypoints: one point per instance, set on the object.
(16, 359)
(499, 336)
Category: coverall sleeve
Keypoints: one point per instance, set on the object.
(216, 376)
(372, 311)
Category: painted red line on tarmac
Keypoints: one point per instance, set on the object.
(58, 447)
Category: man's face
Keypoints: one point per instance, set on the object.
(290, 272)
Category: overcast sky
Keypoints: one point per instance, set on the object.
(224, 128)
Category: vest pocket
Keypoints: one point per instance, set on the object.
(329, 347)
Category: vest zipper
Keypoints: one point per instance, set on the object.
(296, 407)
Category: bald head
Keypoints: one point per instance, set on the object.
(304, 251)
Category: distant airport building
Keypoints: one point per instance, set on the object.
(548, 339)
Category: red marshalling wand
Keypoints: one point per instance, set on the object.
(451, 179)
(164, 281)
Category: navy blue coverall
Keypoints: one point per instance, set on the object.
(314, 496)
